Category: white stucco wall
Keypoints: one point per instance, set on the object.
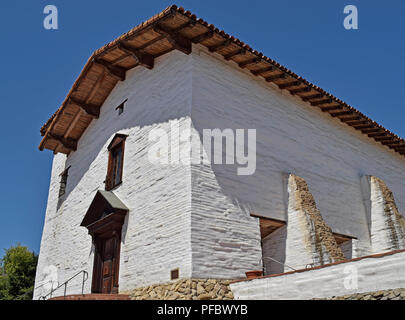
(387, 231)
(197, 217)
(365, 275)
(292, 137)
(225, 240)
(347, 248)
(156, 234)
(274, 252)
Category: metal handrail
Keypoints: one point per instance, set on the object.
(283, 264)
(85, 277)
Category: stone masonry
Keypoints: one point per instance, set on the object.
(185, 289)
(393, 294)
(387, 224)
(318, 245)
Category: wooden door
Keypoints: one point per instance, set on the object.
(106, 265)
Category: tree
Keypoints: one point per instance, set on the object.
(4, 287)
(17, 273)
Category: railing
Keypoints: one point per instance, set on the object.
(85, 277)
(283, 264)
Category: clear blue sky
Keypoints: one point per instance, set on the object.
(38, 67)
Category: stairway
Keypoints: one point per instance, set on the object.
(93, 296)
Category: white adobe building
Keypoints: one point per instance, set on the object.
(322, 190)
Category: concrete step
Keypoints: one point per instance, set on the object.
(93, 296)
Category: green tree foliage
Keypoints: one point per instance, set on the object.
(17, 273)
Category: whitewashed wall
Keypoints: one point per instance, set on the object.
(274, 252)
(347, 248)
(292, 137)
(365, 275)
(387, 229)
(196, 217)
(225, 240)
(156, 234)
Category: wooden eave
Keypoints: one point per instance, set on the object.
(342, 238)
(175, 28)
(104, 205)
(268, 225)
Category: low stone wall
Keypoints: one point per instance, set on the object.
(394, 294)
(185, 289)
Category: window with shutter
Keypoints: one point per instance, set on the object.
(115, 162)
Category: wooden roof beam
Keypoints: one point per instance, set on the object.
(115, 71)
(371, 130)
(229, 56)
(341, 113)
(321, 102)
(383, 138)
(142, 58)
(189, 24)
(276, 77)
(391, 144)
(377, 134)
(91, 109)
(289, 84)
(68, 143)
(249, 62)
(151, 42)
(363, 126)
(299, 90)
(331, 108)
(314, 96)
(176, 40)
(219, 46)
(202, 37)
(262, 70)
(350, 119)
(356, 122)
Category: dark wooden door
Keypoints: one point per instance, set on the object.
(106, 265)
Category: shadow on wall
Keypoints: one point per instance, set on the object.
(152, 97)
(88, 153)
(263, 191)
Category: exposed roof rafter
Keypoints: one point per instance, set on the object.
(176, 40)
(67, 143)
(289, 84)
(176, 28)
(276, 77)
(229, 56)
(142, 58)
(114, 71)
(90, 109)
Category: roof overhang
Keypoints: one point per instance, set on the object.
(175, 28)
(106, 207)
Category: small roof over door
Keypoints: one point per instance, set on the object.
(105, 203)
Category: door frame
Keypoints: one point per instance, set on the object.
(99, 241)
(104, 220)
(103, 229)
